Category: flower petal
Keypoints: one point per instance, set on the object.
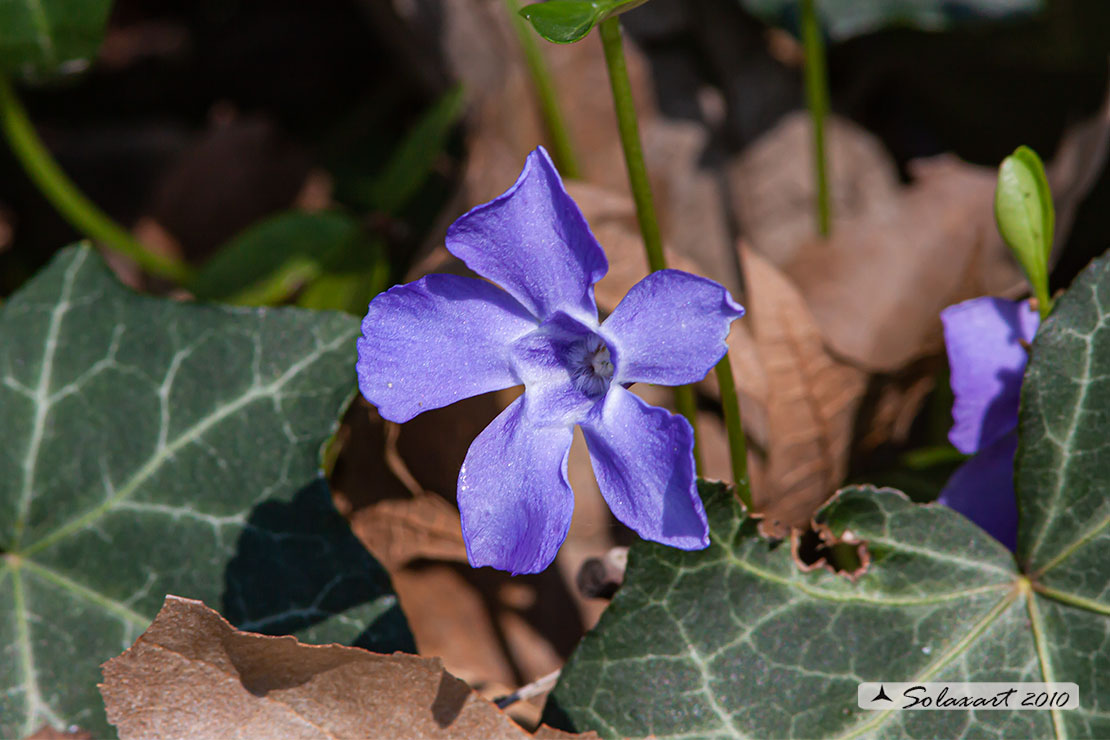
(984, 339)
(514, 497)
(982, 489)
(670, 329)
(644, 463)
(534, 242)
(436, 341)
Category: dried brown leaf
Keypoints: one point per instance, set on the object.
(811, 400)
(494, 631)
(46, 732)
(402, 530)
(773, 193)
(897, 254)
(192, 675)
(877, 286)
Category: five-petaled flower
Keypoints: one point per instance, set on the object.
(987, 340)
(443, 338)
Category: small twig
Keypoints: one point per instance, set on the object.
(536, 688)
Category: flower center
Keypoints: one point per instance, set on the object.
(591, 367)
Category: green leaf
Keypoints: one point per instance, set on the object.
(415, 157)
(153, 447)
(1026, 216)
(567, 21)
(1063, 463)
(563, 21)
(44, 38)
(736, 641)
(274, 258)
(845, 19)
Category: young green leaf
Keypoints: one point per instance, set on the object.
(1026, 217)
(45, 38)
(567, 21)
(563, 21)
(149, 447)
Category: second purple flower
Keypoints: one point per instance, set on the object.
(987, 340)
(443, 338)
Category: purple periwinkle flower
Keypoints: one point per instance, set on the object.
(987, 340)
(443, 338)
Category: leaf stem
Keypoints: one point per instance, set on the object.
(685, 401)
(630, 141)
(1044, 300)
(817, 99)
(70, 202)
(737, 446)
(561, 144)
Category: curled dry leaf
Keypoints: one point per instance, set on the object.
(810, 403)
(192, 675)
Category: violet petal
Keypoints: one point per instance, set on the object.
(984, 339)
(534, 242)
(982, 489)
(643, 459)
(670, 328)
(514, 497)
(438, 340)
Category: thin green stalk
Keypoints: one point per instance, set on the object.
(70, 202)
(610, 31)
(561, 144)
(817, 98)
(1044, 300)
(737, 447)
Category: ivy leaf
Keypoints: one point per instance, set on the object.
(44, 38)
(739, 642)
(845, 19)
(567, 21)
(1063, 480)
(153, 447)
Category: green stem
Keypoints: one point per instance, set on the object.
(561, 144)
(737, 447)
(70, 202)
(817, 98)
(1044, 300)
(610, 30)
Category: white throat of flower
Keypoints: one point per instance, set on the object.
(591, 366)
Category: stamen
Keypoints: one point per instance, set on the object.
(591, 366)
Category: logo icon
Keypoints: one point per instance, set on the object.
(882, 694)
